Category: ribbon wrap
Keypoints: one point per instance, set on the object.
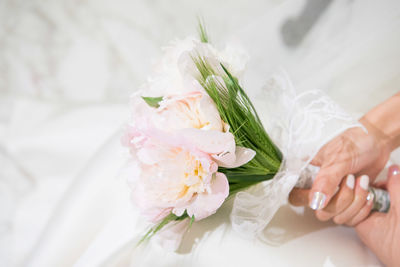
(299, 124)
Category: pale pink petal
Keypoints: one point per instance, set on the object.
(126, 138)
(169, 100)
(211, 142)
(179, 210)
(147, 208)
(213, 167)
(229, 160)
(145, 156)
(150, 155)
(130, 134)
(225, 159)
(207, 204)
(210, 111)
(157, 215)
(170, 236)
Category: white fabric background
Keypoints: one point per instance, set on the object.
(67, 68)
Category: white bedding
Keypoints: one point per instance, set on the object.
(66, 71)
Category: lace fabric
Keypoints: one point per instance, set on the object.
(299, 124)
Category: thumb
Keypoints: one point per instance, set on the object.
(299, 196)
(326, 183)
(370, 230)
(393, 186)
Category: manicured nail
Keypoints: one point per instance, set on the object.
(394, 170)
(317, 201)
(370, 197)
(364, 182)
(350, 181)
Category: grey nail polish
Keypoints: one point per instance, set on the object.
(370, 196)
(317, 201)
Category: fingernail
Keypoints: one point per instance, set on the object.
(393, 170)
(364, 182)
(350, 181)
(370, 197)
(317, 201)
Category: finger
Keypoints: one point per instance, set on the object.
(318, 159)
(360, 198)
(299, 197)
(342, 199)
(393, 186)
(325, 184)
(379, 221)
(371, 229)
(381, 185)
(364, 212)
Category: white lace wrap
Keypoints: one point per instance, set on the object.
(299, 124)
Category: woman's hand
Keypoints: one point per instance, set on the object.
(354, 151)
(350, 205)
(363, 154)
(380, 231)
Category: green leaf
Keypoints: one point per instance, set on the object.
(202, 31)
(153, 101)
(169, 218)
(237, 110)
(191, 221)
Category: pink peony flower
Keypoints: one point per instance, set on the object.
(175, 179)
(179, 146)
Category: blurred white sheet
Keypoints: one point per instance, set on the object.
(67, 68)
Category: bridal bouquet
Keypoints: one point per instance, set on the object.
(196, 139)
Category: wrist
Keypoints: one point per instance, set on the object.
(383, 141)
(383, 122)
